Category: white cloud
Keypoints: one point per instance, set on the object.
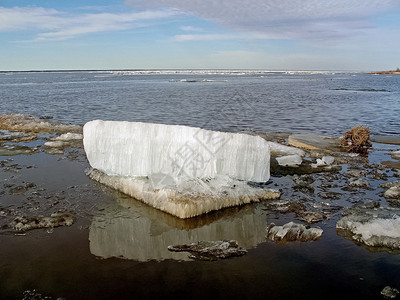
(305, 19)
(220, 36)
(262, 60)
(55, 25)
(191, 28)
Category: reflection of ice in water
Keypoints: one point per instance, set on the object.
(131, 230)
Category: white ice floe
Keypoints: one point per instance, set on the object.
(378, 227)
(392, 193)
(293, 232)
(289, 160)
(277, 148)
(396, 154)
(64, 140)
(55, 144)
(69, 136)
(325, 161)
(142, 149)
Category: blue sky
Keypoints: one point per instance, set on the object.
(226, 34)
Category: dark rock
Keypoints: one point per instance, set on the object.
(21, 189)
(375, 174)
(304, 183)
(311, 217)
(211, 250)
(330, 195)
(359, 183)
(391, 164)
(356, 172)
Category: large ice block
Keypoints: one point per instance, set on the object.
(137, 149)
(190, 197)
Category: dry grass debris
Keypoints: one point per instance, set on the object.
(356, 140)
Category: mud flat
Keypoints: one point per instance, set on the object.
(117, 245)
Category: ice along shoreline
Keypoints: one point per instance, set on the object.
(361, 175)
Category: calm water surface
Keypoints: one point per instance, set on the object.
(329, 103)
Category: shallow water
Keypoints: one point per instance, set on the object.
(118, 246)
(329, 103)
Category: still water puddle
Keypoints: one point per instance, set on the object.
(135, 231)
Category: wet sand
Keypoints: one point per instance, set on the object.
(117, 248)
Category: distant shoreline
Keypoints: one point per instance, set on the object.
(393, 72)
(173, 70)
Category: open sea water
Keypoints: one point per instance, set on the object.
(321, 102)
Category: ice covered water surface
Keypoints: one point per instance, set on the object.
(141, 149)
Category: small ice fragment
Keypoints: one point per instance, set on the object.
(69, 136)
(328, 160)
(56, 144)
(284, 150)
(389, 292)
(325, 161)
(293, 232)
(289, 160)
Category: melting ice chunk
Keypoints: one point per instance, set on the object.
(137, 149)
(289, 160)
(378, 227)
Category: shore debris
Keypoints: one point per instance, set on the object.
(389, 292)
(211, 250)
(29, 123)
(55, 220)
(17, 136)
(356, 140)
(293, 232)
(11, 150)
(304, 183)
